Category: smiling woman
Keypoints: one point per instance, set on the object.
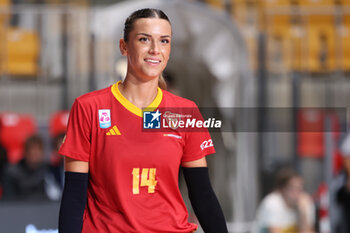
(120, 178)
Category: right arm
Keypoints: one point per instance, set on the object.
(74, 196)
(72, 165)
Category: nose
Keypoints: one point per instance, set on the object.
(154, 49)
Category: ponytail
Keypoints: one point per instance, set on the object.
(161, 82)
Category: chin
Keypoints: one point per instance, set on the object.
(153, 71)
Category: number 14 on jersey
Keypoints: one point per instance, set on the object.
(148, 178)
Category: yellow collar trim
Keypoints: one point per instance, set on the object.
(131, 107)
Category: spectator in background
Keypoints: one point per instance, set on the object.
(341, 222)
(25, 180)
(288, 208)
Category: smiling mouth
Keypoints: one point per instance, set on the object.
(153, 61)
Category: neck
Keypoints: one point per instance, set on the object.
(139, 93)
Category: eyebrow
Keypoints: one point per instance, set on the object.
(148, 35)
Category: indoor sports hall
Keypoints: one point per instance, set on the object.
(275, 73)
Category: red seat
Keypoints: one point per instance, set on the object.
(58, 123)
(15, 129)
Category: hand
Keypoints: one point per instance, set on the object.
(303, 204)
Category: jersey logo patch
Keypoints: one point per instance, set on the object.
(114, 131)
(104, 117)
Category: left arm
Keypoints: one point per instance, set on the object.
(203, 199)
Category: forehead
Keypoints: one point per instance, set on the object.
(34, 145)
(296, 181)
(152, 26)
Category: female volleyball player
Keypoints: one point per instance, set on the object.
(120, 178)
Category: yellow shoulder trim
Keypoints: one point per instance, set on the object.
(132, 108)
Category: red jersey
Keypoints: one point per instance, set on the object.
(133, 174)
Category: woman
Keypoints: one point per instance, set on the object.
(131, 175)
(288, 208)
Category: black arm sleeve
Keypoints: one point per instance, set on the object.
(203, 199)
(73, 202)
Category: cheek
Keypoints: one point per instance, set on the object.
(135, 52)
(134, 57)
(166, 52)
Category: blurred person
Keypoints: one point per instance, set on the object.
(120, 179)
(288, 208)
(25, 180)
(340, 202)
(3, 167)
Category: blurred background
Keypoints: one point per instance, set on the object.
(286, 61)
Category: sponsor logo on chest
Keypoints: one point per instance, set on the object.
(104, 117)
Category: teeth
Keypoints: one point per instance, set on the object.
(152, 61)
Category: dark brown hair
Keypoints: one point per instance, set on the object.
(145, 13)
(139, 14)
(283, 177)
(33, 140)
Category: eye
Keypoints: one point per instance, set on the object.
(143, 39)
(165, 41)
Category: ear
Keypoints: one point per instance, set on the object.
(122, 47)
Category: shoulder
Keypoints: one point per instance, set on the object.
(14, 170)
(177, 101)
(273, 206)
(272, 200)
